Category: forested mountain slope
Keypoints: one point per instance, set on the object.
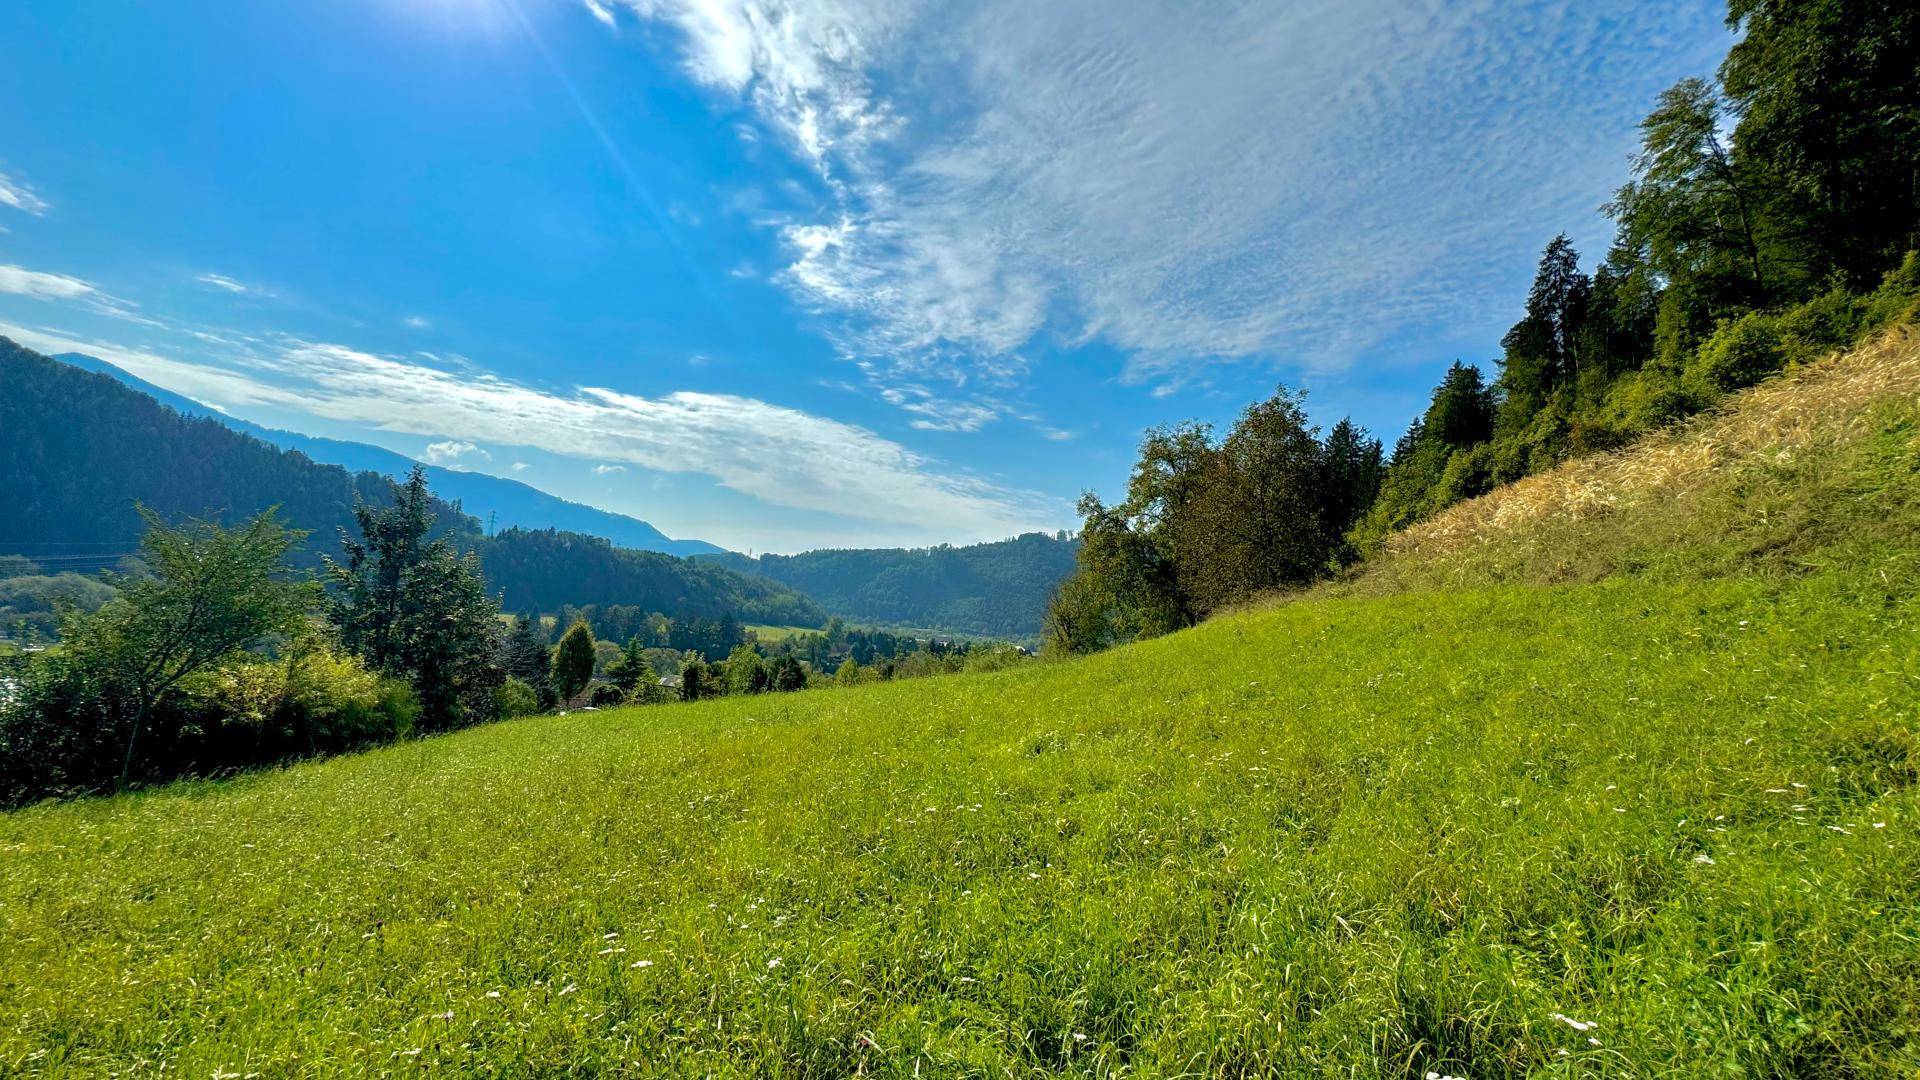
(84, 449)
(508, 503)
(996, 589)
(1611, 773)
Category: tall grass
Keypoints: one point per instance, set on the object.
(1818, 466)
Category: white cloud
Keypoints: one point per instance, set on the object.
(214, 387)
(42, 286)
(1188, 182)
(608, 470)
(932, 413)
(17, 194)
(520, 466)
(225, 284)
(600, 11)
(417, 322)
(780, 456)
(452, 450)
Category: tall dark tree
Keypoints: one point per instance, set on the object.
(528, 659)
(573, 661)
(1692, 210)
(697, 680)
(1540, 347)
(1351, 471)
(632, 667)
(1261, 514)
(1828, 102)
(1461, 413)
(413, 607)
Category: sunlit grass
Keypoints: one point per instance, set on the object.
(1658, 821)
(1364, 831)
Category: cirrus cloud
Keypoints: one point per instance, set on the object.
(16, 193)
(21, 281)
(1190, 183)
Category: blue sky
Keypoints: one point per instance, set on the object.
(805, 273)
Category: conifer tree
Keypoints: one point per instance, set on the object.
(573, 662)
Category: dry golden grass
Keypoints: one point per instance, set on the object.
(1824, 404)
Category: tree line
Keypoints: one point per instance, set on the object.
(220, 651)
(657, 665)
(1771, 216)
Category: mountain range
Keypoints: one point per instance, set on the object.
(500, 502)
(998, 589)
(84, 449)
(91, 439)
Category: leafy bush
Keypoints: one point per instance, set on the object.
(606, 696)
(1650, 398)
(514, 699)
(788, 675)
(1897, 300)
(573, 662)
(1740, 353)
(1823, 324)
(254, 712)
(65, 732)
(1468, 473)
(995, 658)
(650, 691)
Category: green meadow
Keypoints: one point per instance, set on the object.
(1624, 791)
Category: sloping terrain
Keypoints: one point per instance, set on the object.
(1627, 790)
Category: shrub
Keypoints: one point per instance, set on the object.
(61, 733)
(995, 657)
(1468, 473)
(1827, 322)
(1647, 399)
(606, 696)
(789, 675)
(650, 691)
(253, 712)
(1740, 353)
(64, 733)
(1897, 300)
(573, 662)
(515, 698)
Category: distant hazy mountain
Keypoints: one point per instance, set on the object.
(998, 589)
(509, 502)
(83, 448)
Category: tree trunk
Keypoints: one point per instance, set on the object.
(133, 738)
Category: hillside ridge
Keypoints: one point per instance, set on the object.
(509, 502)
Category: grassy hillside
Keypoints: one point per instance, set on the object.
(1610, 775)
